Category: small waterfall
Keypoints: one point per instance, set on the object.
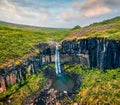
(57, 61)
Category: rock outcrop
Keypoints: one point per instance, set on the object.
(16, 73)
(101, 53)
(2, 84)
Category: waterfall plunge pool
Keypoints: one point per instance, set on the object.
(63, 83)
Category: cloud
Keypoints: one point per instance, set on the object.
(34, 5)
(91, 8)
(114, 4)
(56, 13)
(69, 15)
(96, 11)
(7, 10)
(11, 12)
(31, 12)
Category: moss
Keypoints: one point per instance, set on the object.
(76, 27)
(97, 87)
(108, 29)
(18, 94)
(16, 42)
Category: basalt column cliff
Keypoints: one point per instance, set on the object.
(101, 53)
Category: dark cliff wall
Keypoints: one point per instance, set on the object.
(101, 53)
(17, 73)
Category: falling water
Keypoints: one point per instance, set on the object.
(57, 61)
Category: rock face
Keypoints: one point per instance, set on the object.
(49, 96)
(34, 98)
(2, 84)
(16, 73)
(101, 53)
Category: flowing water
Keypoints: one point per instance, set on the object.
(62, 82)
(57, 61)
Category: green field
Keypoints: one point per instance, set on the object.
(109, 29)
(17, 41)
(18, 93)
(97, 87)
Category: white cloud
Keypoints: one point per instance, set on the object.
(14, 13)
(90, 8)
(57, 13)
(69, 15)
(96, 11)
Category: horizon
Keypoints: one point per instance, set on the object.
(57, 13)
(27, 25)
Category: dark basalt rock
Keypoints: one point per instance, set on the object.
(104, 54)
(50, 96)
(95, 52)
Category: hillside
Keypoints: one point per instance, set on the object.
(85, 71)
(109, 29)
(17, 41)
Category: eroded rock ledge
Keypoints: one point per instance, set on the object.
(101, 53)
(50, 96)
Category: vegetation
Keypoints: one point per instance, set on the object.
(97, 87)
(109, 29)
(18, 94)
(76, 27)
(106, 22)
(17, 41)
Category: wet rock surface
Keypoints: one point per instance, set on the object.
(102, 53)
(50, 96)
(34, 98)
(54, 97)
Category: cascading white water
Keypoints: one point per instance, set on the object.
(57, 61)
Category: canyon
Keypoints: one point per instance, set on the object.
(93, 53)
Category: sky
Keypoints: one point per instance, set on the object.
(58, 13)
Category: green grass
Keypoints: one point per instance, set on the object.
(97, 87)
(106, 22)
(30, 86)
(17, 41)
(76, 27)
(109, 29)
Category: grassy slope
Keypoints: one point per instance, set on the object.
(29, 86)
(97, 87)
(109, 29)
(17, 41)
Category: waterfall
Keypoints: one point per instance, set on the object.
(57, 61)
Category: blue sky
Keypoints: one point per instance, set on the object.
(58, 13)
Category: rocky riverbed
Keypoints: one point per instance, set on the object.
(50, 96)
